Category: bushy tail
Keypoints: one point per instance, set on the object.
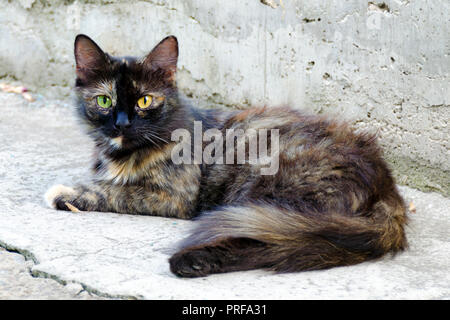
(296, 241)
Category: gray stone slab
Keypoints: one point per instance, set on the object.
(16, 282)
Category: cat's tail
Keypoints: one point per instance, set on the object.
(266, 236)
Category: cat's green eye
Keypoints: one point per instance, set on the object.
(104, 101)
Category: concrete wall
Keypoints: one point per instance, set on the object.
(382, 65)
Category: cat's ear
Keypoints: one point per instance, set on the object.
(88, 56)
(164, 57)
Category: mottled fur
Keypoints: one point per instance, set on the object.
(332, 202)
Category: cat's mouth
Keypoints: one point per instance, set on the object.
(117, 142)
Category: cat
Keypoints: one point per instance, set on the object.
(332, 202)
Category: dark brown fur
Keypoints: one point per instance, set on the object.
(332, 202)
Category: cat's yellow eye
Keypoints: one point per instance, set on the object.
(104, 101)
(144, 102)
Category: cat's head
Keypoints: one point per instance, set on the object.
(128, 103)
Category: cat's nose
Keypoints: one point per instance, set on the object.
(122, 121)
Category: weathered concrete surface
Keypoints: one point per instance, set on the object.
(381, 66)
(125, 256)
(16, 282)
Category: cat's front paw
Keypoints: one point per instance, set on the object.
(62, 197)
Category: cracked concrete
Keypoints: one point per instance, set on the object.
(125, 257)
(17, 282)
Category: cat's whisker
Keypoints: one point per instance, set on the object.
(144, 133)
(149, 139)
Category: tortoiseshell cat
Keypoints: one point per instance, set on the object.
(332, 202)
